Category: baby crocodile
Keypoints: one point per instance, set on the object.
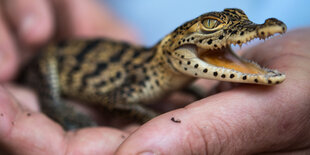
(121, 76)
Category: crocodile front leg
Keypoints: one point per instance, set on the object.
(50, 98)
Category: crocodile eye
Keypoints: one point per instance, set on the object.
(210, 23)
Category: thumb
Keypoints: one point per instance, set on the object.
(244, 125)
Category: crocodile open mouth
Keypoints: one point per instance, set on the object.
(231, 65)
(226, 58)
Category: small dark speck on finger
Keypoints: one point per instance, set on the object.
(175, 120)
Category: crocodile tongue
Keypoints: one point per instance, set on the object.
(226, 58)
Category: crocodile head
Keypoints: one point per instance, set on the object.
(202, 47)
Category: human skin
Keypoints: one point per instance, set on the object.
(246, 119)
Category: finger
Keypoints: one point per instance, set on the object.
(90, 19)
(95, 141)
(244, 120)
(32, 19)
(27, 132)
(25, 97)
(8, 53)
(220, 127)
(19, 128)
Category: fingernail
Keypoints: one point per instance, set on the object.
(27, 24)
(147, 153)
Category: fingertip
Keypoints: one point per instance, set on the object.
(101, 140)
(36, 28)
(32, 19)
(164, 135)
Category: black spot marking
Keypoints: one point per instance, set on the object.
(157, 82)
(188, 62)
(136, 66)
(127, 63)
(238, 42)
(151, 57)
(169, 53)
(255, 80)
(180, 62)
(183, 40)
(80, 57)
(136, 54)
(187, 40)
(196, 74)
(155, 73)
(277, 82)
(169, 61)
(242, 33)
(185, 68)
(269, 82)
(223, 76)
(215, 73)
(131, 89)
(244, 77)
(221, 37)
(234, 32)
(205, 70)
(232, 76)
(182, 56)
(283, 28)
(147, 78)
(210, 41)
(112, 79)
(99, 68)
(262, 33)
(200, 41)
(179, 42)
(101, 84)
(215, 45)
(117, 56)
(118, 75)
(196, 66)
(144, 70)
(192, 38)
(142, 83)
(229, 31)
(90, 46)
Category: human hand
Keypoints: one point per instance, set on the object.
(247, 119)
(25, 25)
(25, 130)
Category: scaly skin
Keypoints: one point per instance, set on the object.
(122, 77)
